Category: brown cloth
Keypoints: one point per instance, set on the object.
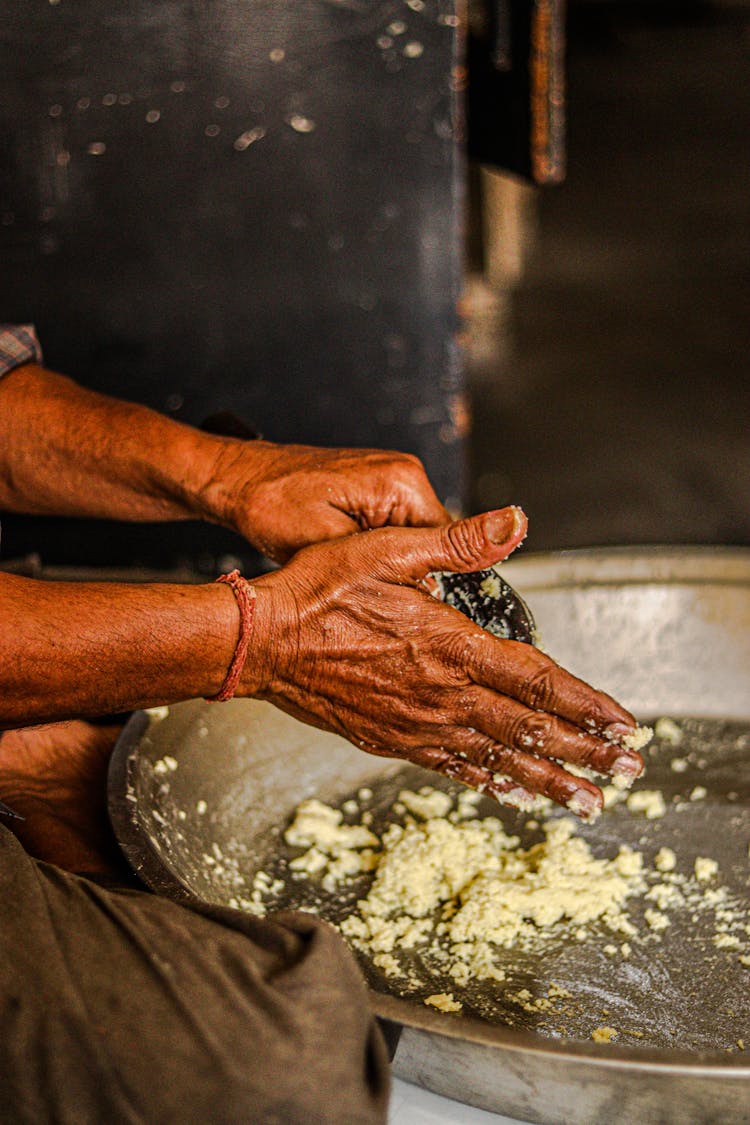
(117, 1005)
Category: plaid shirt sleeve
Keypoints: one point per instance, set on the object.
(18, 345)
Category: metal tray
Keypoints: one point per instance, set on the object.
(665, 630)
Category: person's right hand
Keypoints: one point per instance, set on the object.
(346, 638)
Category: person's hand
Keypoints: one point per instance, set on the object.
(66, 450)
(284, 497)
(346, 638)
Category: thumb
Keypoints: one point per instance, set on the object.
(463, 546)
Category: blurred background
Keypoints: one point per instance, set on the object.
(610, 330)
(513, 239)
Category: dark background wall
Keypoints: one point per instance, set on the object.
(308, 279)
(239, 205)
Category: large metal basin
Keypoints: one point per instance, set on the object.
(667, 631)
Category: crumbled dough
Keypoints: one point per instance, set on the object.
(726, 941)
(312, 862)
(638, 738)
(705, 869)
(316, 824)
(444, 1002)
(525, 1000)
(388, 963)
(656, 920)
(648, 801)
(613, 795)
(679, 765)
(698, 793)
(665, 860)
(427, 803)
(336, 851)
(627, 862)
(604, 1034)
(491, 891)
(490, 586)
(665, 895)
(165, 765)
(667, 730)
(156, 714)
(463, 890)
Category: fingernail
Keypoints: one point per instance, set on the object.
(516, 798)
(627, 766)
(505, 524)
(585, 805)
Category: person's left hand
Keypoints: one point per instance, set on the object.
(285, 497)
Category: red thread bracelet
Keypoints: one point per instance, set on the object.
(244, 595)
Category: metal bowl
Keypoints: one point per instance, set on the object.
(665, 630)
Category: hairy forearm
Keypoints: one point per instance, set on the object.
(87, 649)
(65, 450)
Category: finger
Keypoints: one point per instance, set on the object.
(538, 732)
(423, 509)
(540, 775)
(442, 761)
(412, 501)
(462, 546)
(429, 516)
(416, 504)
(524, 673)
(303, 530)
(397, 493)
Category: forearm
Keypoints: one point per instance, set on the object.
(65, 450)
(87, 649)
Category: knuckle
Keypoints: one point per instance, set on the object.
(458, 647)
(435, 758)
(451, 767)
(487, 753)
(412, 464)
(464, 543)
(403, 468)
(594, 757)
(533, 731)
(539, 685)
(502, 759)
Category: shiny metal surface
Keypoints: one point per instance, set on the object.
(490, 601)
(668, 632)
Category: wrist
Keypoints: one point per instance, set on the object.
(273, 641)
(229, 468)
(244, 595)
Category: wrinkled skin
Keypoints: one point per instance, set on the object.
(65, 450)
(345, 635)
(282, 498)
(359, 647)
